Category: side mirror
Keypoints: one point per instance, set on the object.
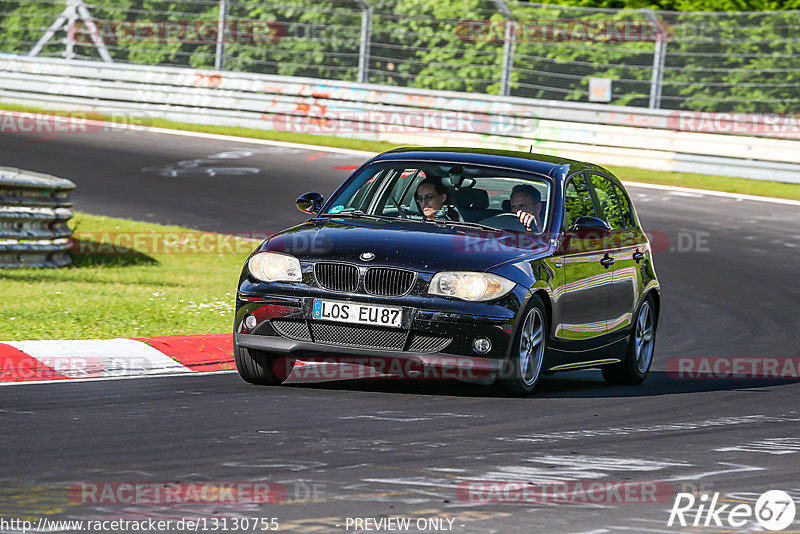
(590, 224)
(310, 203)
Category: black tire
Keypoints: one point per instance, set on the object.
(261, 368)
(514, 381)
(636, 366)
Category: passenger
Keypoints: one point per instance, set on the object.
(526, 204)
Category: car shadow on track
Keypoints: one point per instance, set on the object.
(574, 384)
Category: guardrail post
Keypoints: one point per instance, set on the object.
(219, 59)
(509, 36)
(659, 57)
(363, 49)
(34, 210)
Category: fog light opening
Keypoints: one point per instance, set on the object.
(481, 345)
(250, 322)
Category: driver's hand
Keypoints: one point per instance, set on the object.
(527, 219)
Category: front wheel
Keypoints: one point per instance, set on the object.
(524, 366)
(634, 369)
(261, 368)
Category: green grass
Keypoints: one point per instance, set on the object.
(132, 294)
(762, 188)
(699, 181)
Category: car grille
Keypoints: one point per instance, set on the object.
(428, 343)
(292, 329)
(359, 336)
(337, 276)
(388, 282)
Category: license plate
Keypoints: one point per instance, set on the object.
(351, 312)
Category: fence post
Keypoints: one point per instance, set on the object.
(363, 49)
(219, 59)
(659, 56)
(509, 37)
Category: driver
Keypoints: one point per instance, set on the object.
(526, 204)
(432, 196)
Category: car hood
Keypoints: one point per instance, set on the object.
(416, 245)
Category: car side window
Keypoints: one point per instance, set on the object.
(609, 204)
(624, 206)
(577, 200)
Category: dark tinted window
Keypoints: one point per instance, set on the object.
(577, 200)
(624, 206)
(607, 199)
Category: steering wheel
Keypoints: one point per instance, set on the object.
(507, 221)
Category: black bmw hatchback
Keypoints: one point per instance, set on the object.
(481, 265)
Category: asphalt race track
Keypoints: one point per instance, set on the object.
(358, 449)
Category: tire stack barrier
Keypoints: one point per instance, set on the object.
(34, 210)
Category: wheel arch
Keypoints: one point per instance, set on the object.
(656, 296)
(548, 305)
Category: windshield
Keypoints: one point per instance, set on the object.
(447, 192)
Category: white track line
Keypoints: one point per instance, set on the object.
(107, 378)
(365, 154)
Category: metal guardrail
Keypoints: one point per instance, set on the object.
(608, 135)
(34, 210)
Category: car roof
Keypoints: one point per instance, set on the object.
(552, 166)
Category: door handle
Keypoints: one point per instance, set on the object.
(607, 261)
(638, 256)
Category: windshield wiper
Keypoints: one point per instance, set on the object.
(358, 214)
(469, 225)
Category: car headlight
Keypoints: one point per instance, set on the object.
(274, 267)
(469, 286)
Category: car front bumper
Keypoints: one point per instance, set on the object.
(397, 363)
(430, 338)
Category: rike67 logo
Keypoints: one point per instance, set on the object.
(774, 510)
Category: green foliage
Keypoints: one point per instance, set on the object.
(745, 61)
(423, 44)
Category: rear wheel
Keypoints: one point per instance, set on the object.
(261, 368)
(634, 369)
(524, 366)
